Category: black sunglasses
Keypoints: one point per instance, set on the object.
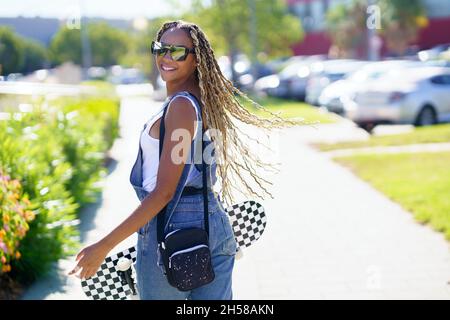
(178, 53)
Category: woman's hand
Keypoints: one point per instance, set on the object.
(89, 260)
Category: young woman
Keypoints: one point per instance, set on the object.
(198, 95)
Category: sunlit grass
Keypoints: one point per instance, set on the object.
(420, 182)
(430, 134)
(292, 109)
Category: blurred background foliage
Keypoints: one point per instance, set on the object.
(56, 153)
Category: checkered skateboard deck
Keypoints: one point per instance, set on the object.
(247, 218)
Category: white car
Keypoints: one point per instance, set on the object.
(331, 97)
(433, 53)
(291, 82)
(326, 72)
(419, 96)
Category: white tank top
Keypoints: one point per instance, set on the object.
(150, 150)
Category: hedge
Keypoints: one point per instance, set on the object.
(51, 160)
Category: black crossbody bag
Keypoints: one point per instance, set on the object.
(185, 252)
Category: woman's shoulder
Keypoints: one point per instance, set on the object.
(185, 94)
(188, 96)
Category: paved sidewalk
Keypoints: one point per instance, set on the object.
(329, 234)
(332, 236)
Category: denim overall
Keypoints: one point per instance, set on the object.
(185, 211)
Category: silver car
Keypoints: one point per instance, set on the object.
(331, 97)
(291, 82)
(419, 96)
(327, 72)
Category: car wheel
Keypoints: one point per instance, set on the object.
(426, 117)
(367, 126)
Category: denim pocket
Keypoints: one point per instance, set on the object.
(229, 245)
(174, 225)
(142, 231)
(142, 244)
(190, 211)
(196, 205)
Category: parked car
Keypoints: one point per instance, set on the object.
(97, 73)
(243, 70)
(276, 65)
(418, 96)
(331, 97)
(292, 79)
(267, 84)
(120, 75)
(14, 77)
(327, 72)
(433, 53)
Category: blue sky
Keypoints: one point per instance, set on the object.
(123, 9)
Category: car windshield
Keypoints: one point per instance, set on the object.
(364, 75)
(291, 70)
(377, 69)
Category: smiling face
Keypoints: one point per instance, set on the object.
(172, 70)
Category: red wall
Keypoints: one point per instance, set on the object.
(313, 43)
(437, 32)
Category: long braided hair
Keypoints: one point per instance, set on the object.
(220, 106)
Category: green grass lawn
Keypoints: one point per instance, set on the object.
(436, 133)
(292, 109)
(420, 182)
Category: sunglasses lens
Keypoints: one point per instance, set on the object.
(155, 47)
(177, 53)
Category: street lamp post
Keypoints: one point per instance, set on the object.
(85, 43)
(253, 37)
(372, 24)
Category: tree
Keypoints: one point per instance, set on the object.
(401, 20)
(108, 45)
(66, 46)
(11, 51)
(36, 56)
(400, 23)
(347, 34)
(227, 25)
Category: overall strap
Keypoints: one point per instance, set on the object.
(162, 214)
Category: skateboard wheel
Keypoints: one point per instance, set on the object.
(124, 264)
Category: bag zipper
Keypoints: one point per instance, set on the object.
(163, 244)
(184, 251)
(172, 232)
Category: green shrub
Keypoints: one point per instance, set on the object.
(14, 218)
(37, 160)
(57, 153)
(88, 129)
(103, 113)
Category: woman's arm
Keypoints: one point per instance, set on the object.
(180, 115)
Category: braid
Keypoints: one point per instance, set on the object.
(220, 105)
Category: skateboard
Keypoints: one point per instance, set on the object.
(115, 279)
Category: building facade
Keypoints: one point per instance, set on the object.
(312, 14)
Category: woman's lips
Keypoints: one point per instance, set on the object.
(167, 68)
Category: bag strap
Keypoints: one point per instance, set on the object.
(161, 217)
(205, 183)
